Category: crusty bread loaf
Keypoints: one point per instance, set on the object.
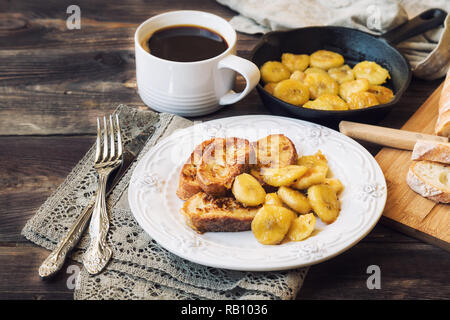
(430, 180)
(205, 213)
(442, 127)
(187, 183)
(432, 151)
(443, 124)
(222, 161)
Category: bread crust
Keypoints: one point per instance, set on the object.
(443, 124)
(424, 188)
(205, 213)
(187, 182)
(432, 151)
(442, 127)
(222, 161)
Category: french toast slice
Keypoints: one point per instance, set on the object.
(273, 151)
(222, 161)
(187, 183)
(205, 213)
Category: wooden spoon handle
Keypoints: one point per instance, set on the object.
(400, 139)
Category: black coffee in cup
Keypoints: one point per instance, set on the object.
(185, 43)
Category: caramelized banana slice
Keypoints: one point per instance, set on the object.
(294, 199)
(371, 71)
(274, 71)
(314, 175)
(360, 100)
(315, 70)
(327, 102)
(334, 184)
(302, 227)
(348, 88)
(270, 86)
(317, 159)
(320, 84)
(324, 202)
(317, 171)
(342, 74)
(383, 94)
(273, 199)
(325, 59)
(255, 171)
(298, 75)
(247, 190)
(317, 105)
(271, 223)
(292, 91)
(295, 61)
(284, 176)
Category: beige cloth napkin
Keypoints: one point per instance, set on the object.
(428, 54)
(140, 268)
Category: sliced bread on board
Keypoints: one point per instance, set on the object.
(432, 151)
(430, 180)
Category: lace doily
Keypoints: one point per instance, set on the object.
(140, 268)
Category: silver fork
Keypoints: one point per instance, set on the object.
(107, 158)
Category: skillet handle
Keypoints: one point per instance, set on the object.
(425, 21)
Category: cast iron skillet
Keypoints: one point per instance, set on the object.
(355, 46)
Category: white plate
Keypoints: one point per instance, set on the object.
(156, 207)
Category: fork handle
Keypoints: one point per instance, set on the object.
(56, 259)
(98, 253)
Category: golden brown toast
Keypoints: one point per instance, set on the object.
(187, 184)
(275, 150)
(222, 161)
(205, 213)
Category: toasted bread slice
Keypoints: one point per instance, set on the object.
(430, 180)
(187, 183)
(205, 213)
(222, 161)
(275, 150)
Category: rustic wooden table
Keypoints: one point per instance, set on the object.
(54, 82)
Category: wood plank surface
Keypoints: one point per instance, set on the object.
(22, 263)
(55, 81)
(403, 205)
(31, 169)
(76, 75)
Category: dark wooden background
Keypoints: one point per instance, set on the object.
(54, 82)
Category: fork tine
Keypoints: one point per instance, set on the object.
(98, 146)
(105, 140)
(119, 138)
(112, 151)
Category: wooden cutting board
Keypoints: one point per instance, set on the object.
(405, 210)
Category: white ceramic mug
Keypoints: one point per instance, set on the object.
(191, 88)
